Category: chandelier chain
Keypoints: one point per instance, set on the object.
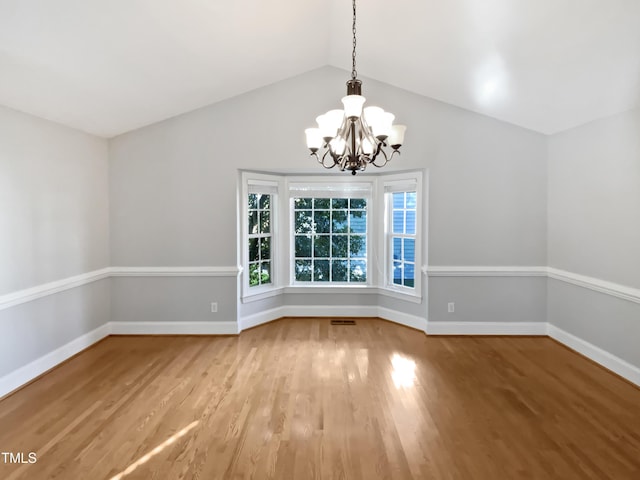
(354, 72)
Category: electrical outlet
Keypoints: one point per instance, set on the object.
(214, 307)
(451, 307)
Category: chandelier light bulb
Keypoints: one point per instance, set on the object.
(397, 136)
(353, 105)
(367, 146)
(314, 138)
(338, 145)
(329, 123)
(384, 126)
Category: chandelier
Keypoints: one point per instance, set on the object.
(355, 137)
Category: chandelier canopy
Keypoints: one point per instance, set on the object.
(355, 137)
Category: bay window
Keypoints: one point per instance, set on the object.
(330, 231)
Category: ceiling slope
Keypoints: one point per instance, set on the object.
(107, 67)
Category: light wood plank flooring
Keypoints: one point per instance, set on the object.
(301, 399)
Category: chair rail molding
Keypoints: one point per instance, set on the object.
(33, 293)
(230, 271)
(485, 271)
(603, 286)
(610, 288)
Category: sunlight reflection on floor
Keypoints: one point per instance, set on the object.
(404, 371)
(144, 459)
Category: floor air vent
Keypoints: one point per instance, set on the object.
(343, 322)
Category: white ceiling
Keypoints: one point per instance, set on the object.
(110, 66)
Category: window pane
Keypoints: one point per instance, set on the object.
(331, 233)
(397, 249)
(398, 200)
(340, 203)
(303, 270)
(265, 202)
(265, 272)
(339, 221)
(265, 221)
(358, 271)
(409, 250)
(253, 249)
(302, 203)
(339, 270)
(265, 248)
(253, 201)
(322, 221)
(358, 203)
(253, 221)
(397, 273)
(411, 222)
(398, 221)
(324, 203)
(303, 221)
(321, 271)
(358, 246)
(411, 199)
(303, 246)
(358, 222)
(409, 275)
(321, 246)
(254, 275)
(339, 246)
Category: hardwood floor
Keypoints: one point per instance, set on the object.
(301, 399)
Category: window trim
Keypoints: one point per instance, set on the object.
(405, 182)
(379, 253)
(265, 184)
(329, 187)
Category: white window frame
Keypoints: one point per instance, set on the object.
(331, 187)
(263, 184)
(405, 182)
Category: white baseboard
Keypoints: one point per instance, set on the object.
(486, 328)
(405, 319)
(256, 319)
(25, 374)
(598, 355)
(329, 311)
(174, 328)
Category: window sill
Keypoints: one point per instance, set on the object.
(332, 289)
(354, 289)
(407, 297)
(256, 297)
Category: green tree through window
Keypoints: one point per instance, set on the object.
(330, 240)
(260, 251)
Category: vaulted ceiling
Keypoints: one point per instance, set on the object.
(110, 66)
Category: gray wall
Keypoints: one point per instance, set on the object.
(32, 330)
(172, 299)
(489, 299)
(173, 184)
(53, 225)
(53, 202)
(594, 230)
(594, 199)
